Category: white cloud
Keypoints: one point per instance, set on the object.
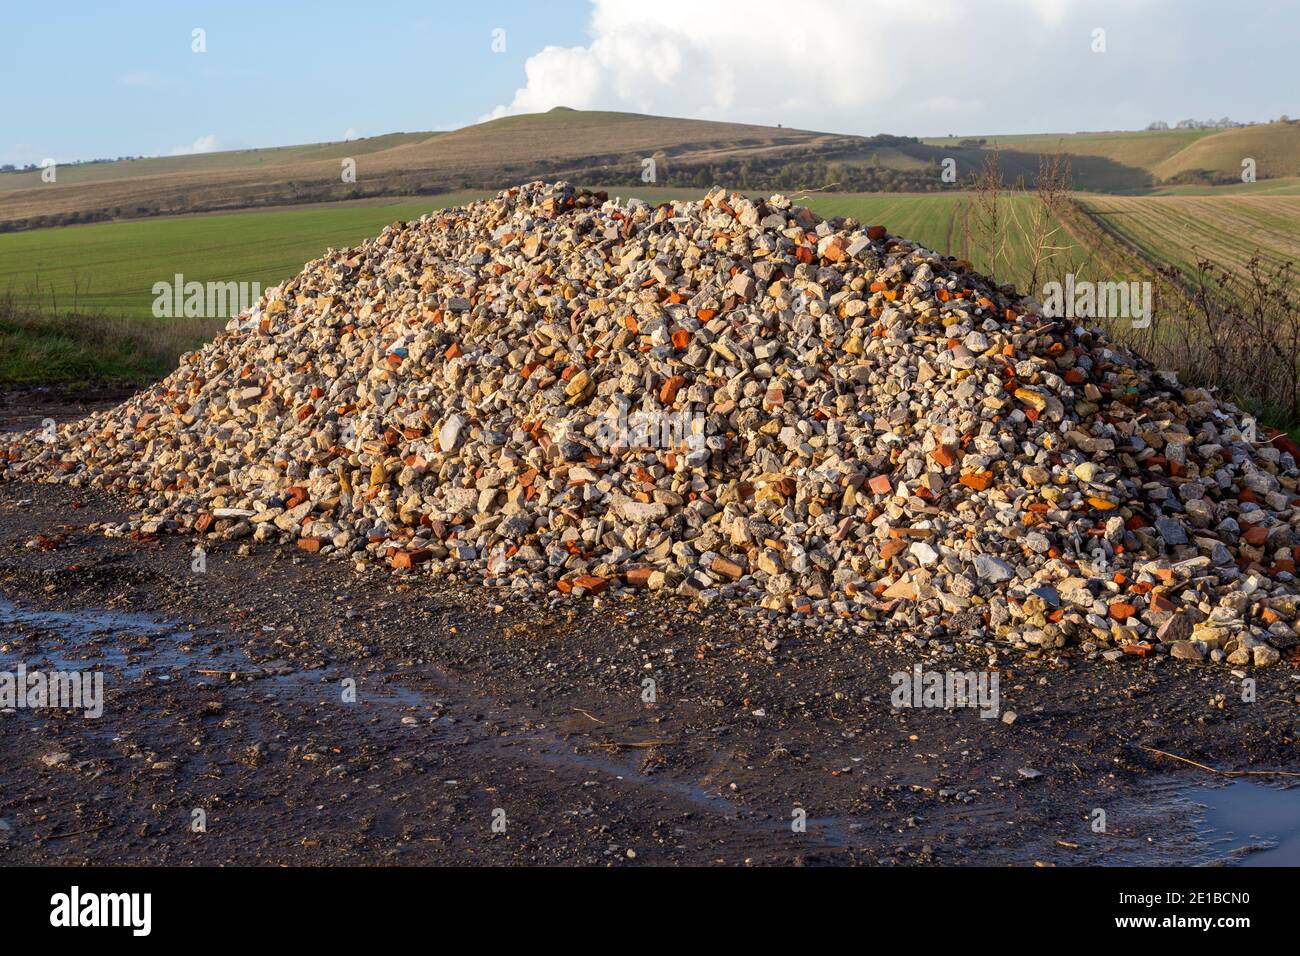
(204, 144)
(864, 66)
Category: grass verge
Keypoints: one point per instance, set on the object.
(79, 349)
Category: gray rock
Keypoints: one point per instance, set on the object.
(1171, 529)
(992, 570)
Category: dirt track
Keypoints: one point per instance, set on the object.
(472, 702)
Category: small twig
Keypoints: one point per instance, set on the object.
(634, 744)
(60, 836)
(589, 716)
(1221, 773)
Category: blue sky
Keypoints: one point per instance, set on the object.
(82, 80)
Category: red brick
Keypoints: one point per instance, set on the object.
(943, 456)
(1161, 603)
(727, 568)
(639, 577)
(591, 584)
(1122, 611)
(1255, 535)
(410, 559)
(668, 392)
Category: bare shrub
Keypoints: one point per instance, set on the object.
(1240, 334)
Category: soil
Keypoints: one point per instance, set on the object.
(497, 728)
(23, 408)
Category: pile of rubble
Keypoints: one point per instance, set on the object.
(723, 399)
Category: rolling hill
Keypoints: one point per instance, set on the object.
(1275, 147)
(608, 148)
(588, 146)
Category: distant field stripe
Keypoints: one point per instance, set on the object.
(1227, 230)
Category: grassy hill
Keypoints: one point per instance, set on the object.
(1149, 160)
(609, 148)
(586, 146)
(226, 160)
(1275, 147)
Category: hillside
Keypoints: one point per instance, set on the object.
(588, 146)
(608, 148)
(225, 160)
(1274, 147)
(1127, 162)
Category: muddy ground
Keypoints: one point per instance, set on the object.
(28, 407)
(491, 728)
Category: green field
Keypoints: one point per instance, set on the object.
(1226, 230)
(112, 267)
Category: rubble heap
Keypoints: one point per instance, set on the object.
(724, 399)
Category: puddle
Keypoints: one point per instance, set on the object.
(126, 645)
(1241, 822)
(1257, 824)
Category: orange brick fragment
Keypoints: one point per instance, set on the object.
(670, 388)
(409, 559)
(892, 548)
(1122, 611)
(943, 456)
(591, 583)
(639, 577)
